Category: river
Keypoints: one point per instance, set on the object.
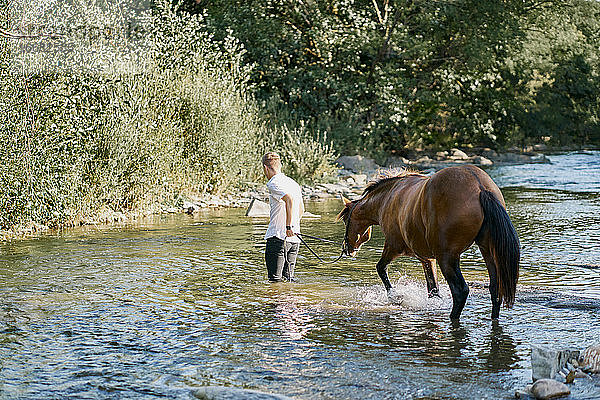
(177, 302)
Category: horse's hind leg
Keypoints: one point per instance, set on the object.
(458, 287)
(430, 276)
(491, 267)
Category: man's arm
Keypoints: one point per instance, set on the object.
(288, 213)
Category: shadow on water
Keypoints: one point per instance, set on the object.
(182, 301)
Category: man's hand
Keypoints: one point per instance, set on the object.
(289, 232)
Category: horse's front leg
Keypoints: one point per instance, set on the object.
(382, 265)
(430, 270)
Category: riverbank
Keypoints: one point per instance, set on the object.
(353, 174)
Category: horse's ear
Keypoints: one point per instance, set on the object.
(345, 211)
(345, 200)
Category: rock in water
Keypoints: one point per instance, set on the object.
(310, 215)
(482, 161)
(258, 208)
(545, 363)
(359, 179)
(458, 154)
(190, 207)
(591, 359)
(228, 393)
(549, 389)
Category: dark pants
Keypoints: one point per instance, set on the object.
(280, 257)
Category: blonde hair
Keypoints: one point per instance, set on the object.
(272, 160)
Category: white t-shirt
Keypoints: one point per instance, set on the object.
(280, 185)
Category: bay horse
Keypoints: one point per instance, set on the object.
(435, 219)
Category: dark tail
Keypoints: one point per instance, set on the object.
(504, 245)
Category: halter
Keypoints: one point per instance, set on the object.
(348, 225)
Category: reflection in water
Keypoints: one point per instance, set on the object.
(183, 301)
(292, 319)
(502, 354)
(459, 339)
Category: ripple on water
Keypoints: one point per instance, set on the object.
(156, 310)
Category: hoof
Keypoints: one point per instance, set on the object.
(434, 293)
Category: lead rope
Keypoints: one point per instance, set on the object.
(311, 250)
(315, 254)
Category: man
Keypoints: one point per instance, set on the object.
(287, 207)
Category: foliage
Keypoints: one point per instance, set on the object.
(561, 57)
(306, 159)
(140, 101)
(568, 105)
(385, 76)
(110, 116)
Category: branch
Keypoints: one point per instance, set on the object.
(378, 12)
(11, 35)
(539, 4)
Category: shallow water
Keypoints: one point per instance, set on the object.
(179, 302)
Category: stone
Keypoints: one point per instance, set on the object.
(489, 153)
(549, 389)
(590, 359)
(481, 160)
(513, 158)
(357, 164)
(189, 207)
(229, 393)
(580, 374)
(334, 188)
(457, 154)
(258, 208)
(522, 394)
(359, 179)
(396, 162)
(320, 195)
(539, 159)
(310, 215)
(545, 363)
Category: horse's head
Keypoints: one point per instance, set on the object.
(357, 230)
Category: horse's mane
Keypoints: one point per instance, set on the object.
(388, 176)
(381, 179)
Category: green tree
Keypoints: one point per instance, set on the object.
(383, 76)
(566, 108)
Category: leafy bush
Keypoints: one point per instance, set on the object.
(131, 107)
(304, 158)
